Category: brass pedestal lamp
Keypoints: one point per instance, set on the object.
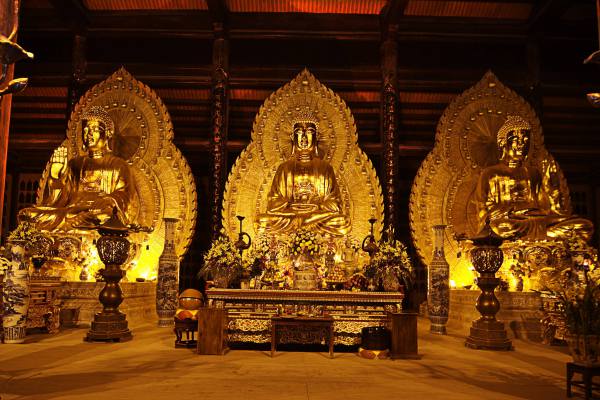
(487, 332)
(110, 325)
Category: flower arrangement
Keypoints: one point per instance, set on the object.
(28, 232)
(577, 292)
(305, 241)
(391, 260)
(222, 260)
(583, 254)
(581, 306)
(255, 259)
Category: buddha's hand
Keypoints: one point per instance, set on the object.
(304, 208)
(103, 205)
(58, 162)
(528, 212)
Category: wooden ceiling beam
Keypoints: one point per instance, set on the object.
(391, 14)
(73, 14)
(218, 11)
(258, 26)
(547, 12)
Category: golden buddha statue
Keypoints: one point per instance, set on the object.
(521, 201)
(84, 190)
(304, 192)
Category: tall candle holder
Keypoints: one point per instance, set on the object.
(242, 244)
(369, 244)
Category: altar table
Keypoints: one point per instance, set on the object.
(301, 330)
(250, 311)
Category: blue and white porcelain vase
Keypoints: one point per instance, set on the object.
(15, 296)
(438, 293)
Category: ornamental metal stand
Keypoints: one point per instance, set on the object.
(110, 325)
(487, 332)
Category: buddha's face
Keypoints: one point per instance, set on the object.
(305, 134)
(94, 135)
(516, 147)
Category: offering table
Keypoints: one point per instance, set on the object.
(250, 311)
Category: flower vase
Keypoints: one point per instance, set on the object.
(305, 272)
(167, 282)
(390, 281)
(519, 286)
(221, 281)
(15, 295)
(438, 289)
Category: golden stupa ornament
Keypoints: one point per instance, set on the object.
(143, 136)
(466, 144)
(304, 102)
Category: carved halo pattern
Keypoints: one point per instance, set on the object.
(465, 143)
(250, 178)
(143, 136)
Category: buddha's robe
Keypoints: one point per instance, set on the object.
(85, 194)
(519, 202)
(305, 195)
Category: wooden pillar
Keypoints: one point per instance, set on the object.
(78, 71)
(7, 21)
(533, 75)
(219, 123)
(389, 124)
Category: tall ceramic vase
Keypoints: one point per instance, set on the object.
(167, 285)
(15, 295)
(438, 293)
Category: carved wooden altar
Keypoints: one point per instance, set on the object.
(44, 304)
(250, 311)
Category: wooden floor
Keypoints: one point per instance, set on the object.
(149, 367)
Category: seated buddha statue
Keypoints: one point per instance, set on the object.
(85, 190)
(521, 201)
(304, 192)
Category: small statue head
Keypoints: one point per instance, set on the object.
(513, 139)
(304, 134)
(98, 129)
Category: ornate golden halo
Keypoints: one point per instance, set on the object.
(143, 136)
(250, 178)
(465, 143)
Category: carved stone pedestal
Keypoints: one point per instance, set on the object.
(487, 332)
(488, 335)
(110, 324)
(110, 327)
